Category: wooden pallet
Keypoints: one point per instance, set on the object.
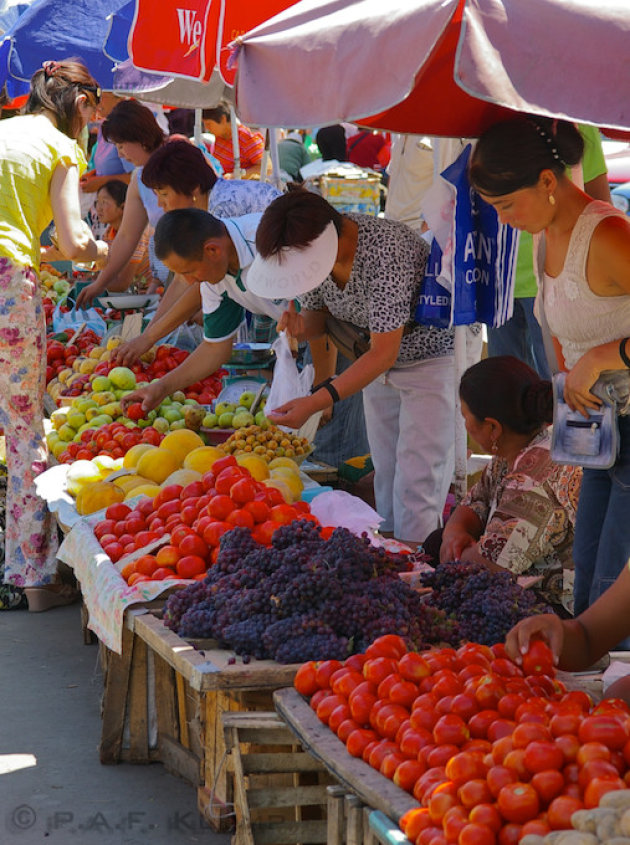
(280, 792)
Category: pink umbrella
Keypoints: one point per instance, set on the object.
(439, 67)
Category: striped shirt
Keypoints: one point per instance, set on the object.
(251, 145)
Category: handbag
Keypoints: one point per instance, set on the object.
(591, 442)
(352, 341)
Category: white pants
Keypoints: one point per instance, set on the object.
(409, 415)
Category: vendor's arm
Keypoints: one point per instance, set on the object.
(578, 643)
(133, 224)
(324, 356)
(206, 359)
(74, 238)
(609, 266)
(90, 183)
(461, 532)
(381, 356)
(182, 309)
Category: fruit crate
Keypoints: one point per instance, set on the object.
(195, 684)
(280, 791)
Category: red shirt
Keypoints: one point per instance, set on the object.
(366, 149)
(252, 147)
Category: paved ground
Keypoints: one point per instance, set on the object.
(53, 788)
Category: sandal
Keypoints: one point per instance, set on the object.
(49, 596)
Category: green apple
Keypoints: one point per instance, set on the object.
(123, 378)
(177, 424)
(190, 402)
(160, 424)
(101, 383)
(172, 415)
(75, 419)
(210, 421)
(242, 419)
(152, 415)
(261, 420)
(101, 419)
(225, 419)
(83, 404)
(247, 399)
(112, 408)
(224, 408)
(143, 423)
(178, 396)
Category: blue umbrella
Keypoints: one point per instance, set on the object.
(58, 29)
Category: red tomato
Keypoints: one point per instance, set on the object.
(440, 803)
(606, 729)
(305, 680)
(117, 512)
(162, 573)
(542, 755)
(376, 669)
(463, 767)
(104, 527)
(498, 777)
(480, 722)
(528, 732)
(488, 815)
(338, 715)
(260, 511)
(243, 491)
(114, 551)
(548, 784)
(220, 506)
(361, 700)
(346, 728)
(190, 565)
(389, 645)
(560, 811)
(518, 802)
(240, 518)
(538, 659)
(500, 728)
(283, 514)
(325, 670)
(137, 577)
(213, 532)
(476, 834)
(413, 667)
(453, 822)
(192, 544)
(601, 769)
(474, 792)
(146, 565)
(569, 744)
(450, 729)
(592, 751)
(598, 787)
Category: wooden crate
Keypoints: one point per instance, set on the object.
(198, 686)
(280, 792)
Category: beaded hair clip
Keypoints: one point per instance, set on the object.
(50, 68)
(549, 141)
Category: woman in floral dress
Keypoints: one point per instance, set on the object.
(40, 166)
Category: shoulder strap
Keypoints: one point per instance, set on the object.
(358, 140)
(550, 351)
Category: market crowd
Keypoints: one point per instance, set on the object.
(227, 249)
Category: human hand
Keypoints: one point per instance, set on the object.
(150, 396)
(89, 182)
(293, 414)
(577, 385)
(51, 253)
(453, 545)
(128, 353)
(291, 322)
(546, 626)
(89, 293)
(326, 417)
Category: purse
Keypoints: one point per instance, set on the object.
(352, 341)
(591, 442)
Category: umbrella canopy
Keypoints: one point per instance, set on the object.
(437, 67)
(57, 29)
(192, 41)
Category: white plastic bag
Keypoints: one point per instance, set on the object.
(71, 320)
(289, 383)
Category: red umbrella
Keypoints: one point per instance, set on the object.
(191, 41)
(437, 67)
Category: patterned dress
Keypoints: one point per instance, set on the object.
(529, 516)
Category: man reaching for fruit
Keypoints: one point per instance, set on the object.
(215, 254)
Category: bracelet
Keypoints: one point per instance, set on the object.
(622, 351)
(327, 385)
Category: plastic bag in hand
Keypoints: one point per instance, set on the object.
(288, 382)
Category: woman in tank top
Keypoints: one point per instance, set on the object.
(519, 167)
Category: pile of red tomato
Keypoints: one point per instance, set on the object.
(60, 355)
(490, 750)
(195, 517)
(113, 439)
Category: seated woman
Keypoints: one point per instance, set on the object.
(520, 515)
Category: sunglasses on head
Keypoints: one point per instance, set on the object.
(93, 89)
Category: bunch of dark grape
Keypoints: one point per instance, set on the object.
(483, 603)
(304, 597)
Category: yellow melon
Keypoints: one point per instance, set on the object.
(181, 442)
(157, 464)
(133, 455)
(256, 465)
(79, 474)
(291, 479)
(202, 458)
(146, 489)
(282, 486)
(94, 497)
(183, 477)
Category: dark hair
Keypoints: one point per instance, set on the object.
(221, 110)
(184, 231)
(132, 122)
(117, 190)
(506, 389)
(55, 87)
(294, 219)
(331, 141)
(181, 121)
(511, 155)
(181, 166)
